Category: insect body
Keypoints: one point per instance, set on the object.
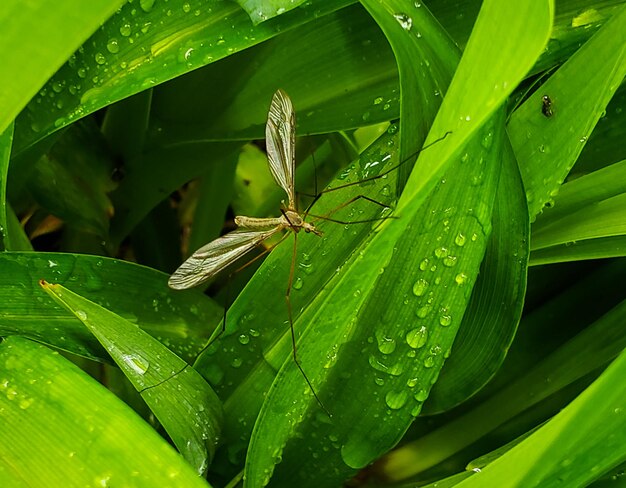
(546, 106)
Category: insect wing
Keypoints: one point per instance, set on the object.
(280, 139)
(213, 257)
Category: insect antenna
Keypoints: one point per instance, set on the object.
(363, 197)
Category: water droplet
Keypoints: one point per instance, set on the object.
(419, 288)
(113, 46)
(422, 312)
(416, 338)
(146, 5)
(393, 128)
(243, 339)
(460, 279)
(125, 30)
(421, 395)
(379, 381)
(429, 362)
(254, 333)
(459, 240)
(396, 399)
(297, 284)
(424, 264)
(186, 7)
(441, 252)
(236, 362)
(378, 100)
(81, 314)
(100, 58)
(136, 362)
(404, 20)
(386, 345)
(449, 261)
(416, 410)
(411, 382)
(445, 320)
(487, 140)
(24, 403)
(82, 72)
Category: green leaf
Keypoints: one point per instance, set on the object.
(139, 47)
(579, 444)
(426, 58)
(180, 320)
(487, 331)
(547, 147)
(58, 424)
(606, 247)
(31, 32)
(537, 380)
(586, 220)
(6, 139)
(262, 10)
(72, 181)
(330, 315)
(185, 405)
(602, 219)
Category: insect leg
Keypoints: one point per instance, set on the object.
(290, 315)
(222, 329)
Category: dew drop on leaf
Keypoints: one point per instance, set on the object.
(136, 362)
(419, 288)
(416, 338)
(404, 20)
(396, 399)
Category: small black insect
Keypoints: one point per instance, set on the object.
(546, 106)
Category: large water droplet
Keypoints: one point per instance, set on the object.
(386, 345)
(460, 279)
(125, 30)
(100, 58)
(449, 261)
(422, 312)
(416, 338)
(396, 399)
(421, 395)
(459, 240)
(445, 320)
(243, 339)
(137, 363)
(146, 5)
(441, 252)
(113, 46)
(419, 288)
(404, 20)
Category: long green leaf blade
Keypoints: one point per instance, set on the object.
(55, 418)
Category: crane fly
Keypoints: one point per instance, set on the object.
(251, 232)
(215, 256)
